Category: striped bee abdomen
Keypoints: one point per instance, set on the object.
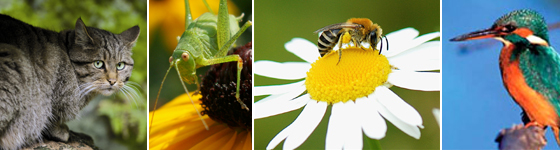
(327, 41)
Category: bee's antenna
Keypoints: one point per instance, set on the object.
(381, 46)
(387, 41)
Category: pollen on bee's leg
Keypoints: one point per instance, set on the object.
(346, 37)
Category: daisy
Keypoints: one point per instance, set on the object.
(357, 88)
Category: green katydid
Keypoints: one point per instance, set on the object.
(205, 42)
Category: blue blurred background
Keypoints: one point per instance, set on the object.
(476, 106)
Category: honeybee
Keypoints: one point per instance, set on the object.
(357, 30)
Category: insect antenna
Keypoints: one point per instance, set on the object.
(381, 46)
(208, 7)
(157, 97)
(386, 41)
(192, 102)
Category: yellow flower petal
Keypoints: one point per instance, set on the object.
(177, 126)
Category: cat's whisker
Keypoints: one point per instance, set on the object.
(125, 90)
(134, 91)
(87, 92)
(136, 87)
(134, 83)
(87, 89)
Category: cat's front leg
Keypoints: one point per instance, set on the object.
(58, 132)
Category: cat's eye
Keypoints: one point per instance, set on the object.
(98, 64)
(120, 66)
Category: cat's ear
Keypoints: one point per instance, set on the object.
(130, 35)
(82, 35)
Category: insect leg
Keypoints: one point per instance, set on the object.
(224, 28)
(344, 37)
(229, 58)
(188, 16)
(339, 56)
(224, 49)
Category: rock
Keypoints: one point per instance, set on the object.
(77, 141)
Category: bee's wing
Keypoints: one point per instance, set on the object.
(337, 26)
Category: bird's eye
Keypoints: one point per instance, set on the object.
(508, 28)
(120, 66)
(98, 64)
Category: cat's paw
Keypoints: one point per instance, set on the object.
(59, 133)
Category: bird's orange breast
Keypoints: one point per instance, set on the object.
(537, 107)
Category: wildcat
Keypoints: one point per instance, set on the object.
(46, 77)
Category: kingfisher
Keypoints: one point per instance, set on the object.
(530, 67)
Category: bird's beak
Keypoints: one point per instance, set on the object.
(482, 34)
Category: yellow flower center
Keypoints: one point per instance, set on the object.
(357, 75)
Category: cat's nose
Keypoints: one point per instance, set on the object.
(112, 81)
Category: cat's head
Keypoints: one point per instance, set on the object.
(102, 60)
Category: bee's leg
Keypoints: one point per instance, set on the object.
(345, 38)
(358, 44)
(340, 47)
(339, 56)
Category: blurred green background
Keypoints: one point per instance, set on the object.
(277, 22)
(115, 122)
(166, 14)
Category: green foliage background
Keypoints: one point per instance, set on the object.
(277, 22)
(119, 121)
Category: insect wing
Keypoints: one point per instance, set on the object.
(337, 26)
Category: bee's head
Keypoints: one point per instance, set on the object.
(375, 37)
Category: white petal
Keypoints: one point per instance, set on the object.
(428, 50)
(276, 89)
(411, 130)
(309, 121)
(372, 124)
(422, 58)
(336, 128)
(284, 97)
(271, 108)
(302, 127)
(415, 65)
(397, 39)
(397, 106)
(353, 138)
(400, 47)
(437, 115)
(404, 35)
(422, 81)
(303, 49)
(286, 70)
